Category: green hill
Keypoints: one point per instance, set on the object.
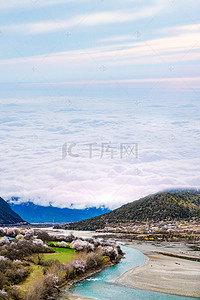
(180, 205)
(7, 215)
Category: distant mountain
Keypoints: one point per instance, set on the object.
(7, 215)
(48, 214)
(180, 205)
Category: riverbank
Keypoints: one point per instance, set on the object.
(66, 286)
(164, 273)
(73, 297)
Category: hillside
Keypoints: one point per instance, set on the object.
(7, 215)
(181, 205)
(48, 214)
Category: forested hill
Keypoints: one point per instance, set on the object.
(182, 205)
(7, 215)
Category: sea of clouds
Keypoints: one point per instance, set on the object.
(36, 133)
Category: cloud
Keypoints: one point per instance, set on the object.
(170, 50)
(33, 169)
(117, 38)
(31, 4)
(85, 20)
(179, 82)
(180, 29)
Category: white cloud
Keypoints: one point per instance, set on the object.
(180, 29)
(31, 4)
(33, 169)
(172, 82)
(117, 38)
(180, 48)
(92, 19)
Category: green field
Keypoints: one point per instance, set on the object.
(64, 255)
(64, 250)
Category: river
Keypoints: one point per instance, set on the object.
(103, 286)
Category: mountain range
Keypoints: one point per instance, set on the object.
(33, 213)
(168, 205)
(175, 205)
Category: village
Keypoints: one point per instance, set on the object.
(163, 230)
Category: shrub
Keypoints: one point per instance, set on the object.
(63, 244)
(91, 261)
(11, 231)
(2, 282)
(22, 248)
(3, 295)
(49, 262)
(111, 252)
(43, 235)
(58, 271)
(79, 265)
(38, 242)
(68, 238)
(5, 263)
(69, 271)
(3, 258)
(15, 293)
(119, 250)
(44, 289)
(17, 261)
(19, 236)
(80, 245)
(4, 240)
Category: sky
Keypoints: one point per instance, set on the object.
(99, 99)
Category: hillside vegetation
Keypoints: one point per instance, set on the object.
(182, 205)
(7, 215)
(35, 265)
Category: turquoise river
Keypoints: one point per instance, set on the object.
(103, 286)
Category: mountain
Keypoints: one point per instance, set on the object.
(180, 205)
(8, 216)
(48, 214)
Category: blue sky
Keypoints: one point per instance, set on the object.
(104, 73)
(100, 41)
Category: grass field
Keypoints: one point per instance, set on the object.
(64, 255)
(64, 250)
(35, 274)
